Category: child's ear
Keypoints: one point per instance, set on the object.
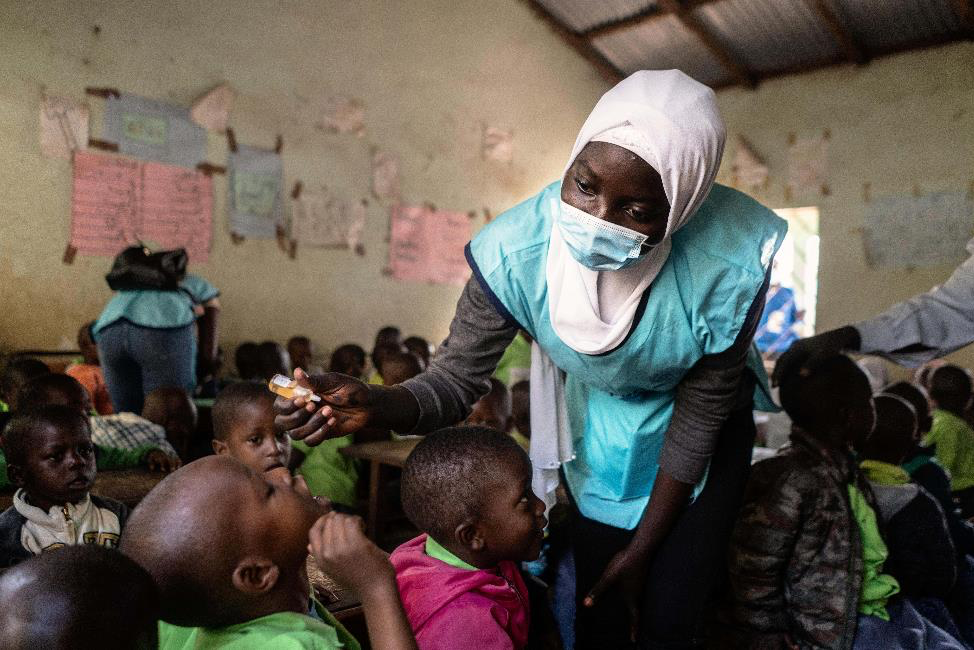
(255, 575)
(468, 534)
(15, 473)
(220, 447)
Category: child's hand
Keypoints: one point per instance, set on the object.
(344, 552)
(159, 461)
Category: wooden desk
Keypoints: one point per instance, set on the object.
(383, 452)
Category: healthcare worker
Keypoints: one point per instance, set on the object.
(641, 283)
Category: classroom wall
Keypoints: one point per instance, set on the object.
(431, 73)
(898, 123)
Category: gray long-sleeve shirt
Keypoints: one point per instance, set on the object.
(707, 394)
(926, 326)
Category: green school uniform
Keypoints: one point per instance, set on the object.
(279, 631)
(439, 552)
(515, 364)
(327, 472)
(954, 439)
(877, 587)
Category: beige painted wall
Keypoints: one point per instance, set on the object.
(896, 123)
(429, 72)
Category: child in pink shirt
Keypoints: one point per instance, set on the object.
(469, 490)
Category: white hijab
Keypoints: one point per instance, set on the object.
(670, 121)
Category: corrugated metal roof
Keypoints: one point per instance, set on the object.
(767, 35)
(660, 44)
(582, 15)
(881, 25)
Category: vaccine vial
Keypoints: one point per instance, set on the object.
(289, 389)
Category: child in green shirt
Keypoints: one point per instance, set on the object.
(952, 436)
(227, 549)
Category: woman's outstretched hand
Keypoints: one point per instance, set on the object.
(345, 407)
(625, 572)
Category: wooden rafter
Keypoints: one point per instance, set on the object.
(579, 43)
(646, 15)
(907, 46)
(730, 63)
(853, 51)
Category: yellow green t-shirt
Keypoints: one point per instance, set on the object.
(327, 472)
(283, 630)
(877, 587)
(515, 363)
(954, 440)
(439, 552)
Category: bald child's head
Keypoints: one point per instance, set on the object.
(82, 596)
(223, 544)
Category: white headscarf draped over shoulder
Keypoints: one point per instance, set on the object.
(672, 122)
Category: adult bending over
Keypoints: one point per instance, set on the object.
(147, 339)
(641, 283)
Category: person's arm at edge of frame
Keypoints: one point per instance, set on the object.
(705, 398)
(927, 326)
(208, 334)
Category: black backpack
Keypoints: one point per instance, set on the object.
(137, 267)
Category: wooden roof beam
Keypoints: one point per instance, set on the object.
(853, 51)
(578, 43)
(638, 18)
(730, 63)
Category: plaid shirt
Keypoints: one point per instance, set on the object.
(128, 431)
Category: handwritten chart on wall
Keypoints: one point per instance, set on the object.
(321, 220)
(427, 245)
(116, 202)
(256, 176)
(152, 130)
(929, 230)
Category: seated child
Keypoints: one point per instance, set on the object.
(925, 471)
(495, 410)
(950, 390)
(421, 348)
(380, 353)
(469, 490)
(348, 359)
(227, 550)
(243, 428)
(16, 373)
(302, 353)
(806, 557)
(51, 460)
(921, 553)
(272, 359)
(89, 374)
(79, 597)
(397, 367)
(172, 409)
(121, 440)
(246, 359)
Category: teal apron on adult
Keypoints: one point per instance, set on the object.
(620, 402)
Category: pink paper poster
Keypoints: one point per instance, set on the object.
(427, 245)
(117, 202)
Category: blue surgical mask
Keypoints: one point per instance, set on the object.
(596, 243)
